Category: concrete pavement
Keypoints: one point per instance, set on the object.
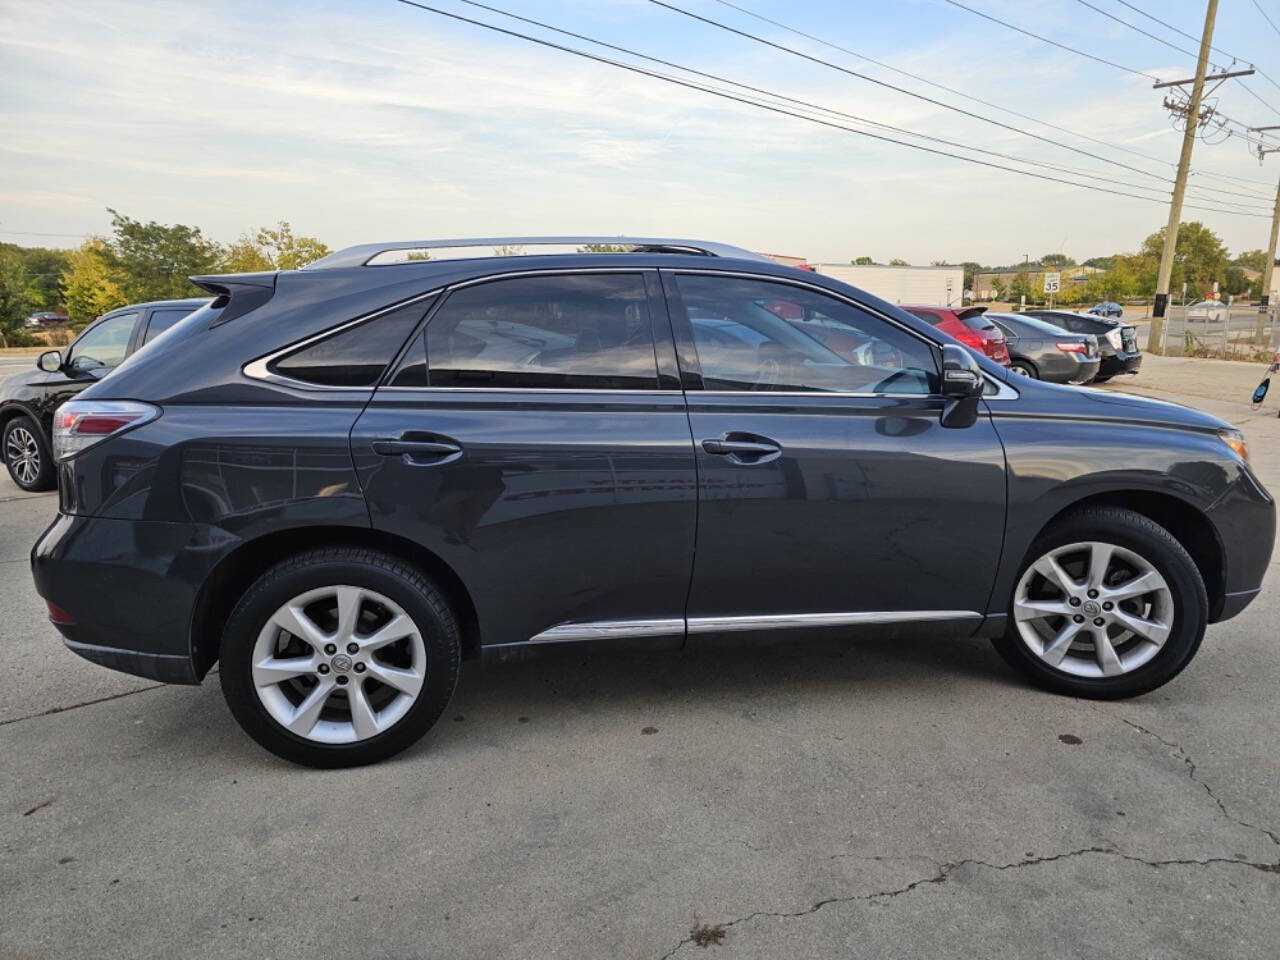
(880, 799)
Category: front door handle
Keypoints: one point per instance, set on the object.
(744, 452)
(419, 453)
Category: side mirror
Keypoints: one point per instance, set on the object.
(50, 361)
(962, 385)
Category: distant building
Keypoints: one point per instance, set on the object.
(984, 283)
(934, 286)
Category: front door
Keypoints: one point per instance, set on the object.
(829, 492)
(535, 440)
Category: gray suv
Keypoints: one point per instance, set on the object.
(340, 482)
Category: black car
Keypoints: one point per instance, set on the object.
(339, 482)
(1107, 308)
(1041, 350)
(1117, 340)
(28, 399)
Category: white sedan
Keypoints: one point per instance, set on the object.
(1208, 311)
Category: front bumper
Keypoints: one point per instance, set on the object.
(131, 587)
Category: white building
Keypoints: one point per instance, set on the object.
(934, 286)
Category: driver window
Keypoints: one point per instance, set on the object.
(758, 335)
(104, 345)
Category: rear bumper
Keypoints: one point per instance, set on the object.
(131, 588)
(1120, 362)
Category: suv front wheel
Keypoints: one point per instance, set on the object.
(339, 657)
(1108, 605)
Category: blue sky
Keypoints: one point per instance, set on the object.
(373, 120)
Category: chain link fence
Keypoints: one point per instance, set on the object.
(1233, 333)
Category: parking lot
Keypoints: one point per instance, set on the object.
(882, 799)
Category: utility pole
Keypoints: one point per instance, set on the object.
(1156, 333)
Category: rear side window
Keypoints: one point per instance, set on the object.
(356, 356)
(586, 331)
(162, 320)
(978, 321)
(930, 318)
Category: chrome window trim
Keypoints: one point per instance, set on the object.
(259, 369)
(655, 392)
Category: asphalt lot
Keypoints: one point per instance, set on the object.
(871, 800)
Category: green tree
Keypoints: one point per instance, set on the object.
(895, 262)
(863, 262)
(603, 248)
(152, 261)
(14, 299)
(1199, 258)
(1056, 261)
(1102, 263)
(43, 269)
(999, 288)
(1020, 286)
(268, 249)
(1252, 260)
(1235, 282)
(89, 283)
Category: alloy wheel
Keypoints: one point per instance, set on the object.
(339, 664)
(1093, 609)
(23, 455)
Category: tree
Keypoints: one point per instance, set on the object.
(1252, 260)
(1235, 282)
(89, 283)
(1056, 261)
(43, 269)
(14, 301)
(152, 261)
(895, 262)
(1199, 257)
(999, 288)
(604, 248)
(269, 249)
(971, 271)
(863, 262)
(1102, 263)
(1021, 286)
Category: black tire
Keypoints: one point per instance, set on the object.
(18, 429)
(369, 569)
(1025, 368)
(1159, 548)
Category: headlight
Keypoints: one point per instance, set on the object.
(1235, 440)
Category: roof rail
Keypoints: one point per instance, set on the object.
(363, 254)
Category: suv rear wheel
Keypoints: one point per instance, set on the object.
(339, 657)
(27, 455)
(1108, 605)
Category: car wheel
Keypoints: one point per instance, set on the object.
(1108, 604)
(27, 455)
(339, 657)
(1024, 369)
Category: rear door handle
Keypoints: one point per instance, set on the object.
(742, 451)
(421, 453)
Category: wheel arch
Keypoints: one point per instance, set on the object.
(1186, 522)
(234, 573)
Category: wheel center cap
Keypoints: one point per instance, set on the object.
(1091, 607)
(341, 663)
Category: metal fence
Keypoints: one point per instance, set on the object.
(1233, 333)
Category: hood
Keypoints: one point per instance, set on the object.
(1127, 406)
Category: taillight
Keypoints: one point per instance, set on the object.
(58, 615)
(79, 424)
(970, 339)
(1074, 347)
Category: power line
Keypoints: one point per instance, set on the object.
(1114, 146)
(1126, 23)
(783, 111)
(1267, 18)
(884, 83)
(1055, 43)
(809, 105)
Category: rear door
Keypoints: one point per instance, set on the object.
(829, 492)
(534, 438)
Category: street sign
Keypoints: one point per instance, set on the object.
(1052, 282)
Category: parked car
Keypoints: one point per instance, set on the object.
(1041, 350)
(28, 399)
(340, 481)
(968, 326)
(46, 318)
(1117, 341)
(1208, 311)
(1107, 308)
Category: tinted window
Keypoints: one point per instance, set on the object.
(356, 356)
(412, 371)
(105, 344)
(930, 318)
(757, 335)
(590, 331)
(162, 320)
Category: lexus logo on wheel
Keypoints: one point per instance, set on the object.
(341, 663)
(1090, 607)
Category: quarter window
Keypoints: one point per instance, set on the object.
(586, 331)
(356, 356)
(104, 345)
(757, 335)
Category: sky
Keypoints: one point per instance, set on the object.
(375, 120)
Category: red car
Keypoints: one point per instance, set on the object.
(968, 326)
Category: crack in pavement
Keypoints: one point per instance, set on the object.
(944, 870)
(85, 703)
(1190, 764)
